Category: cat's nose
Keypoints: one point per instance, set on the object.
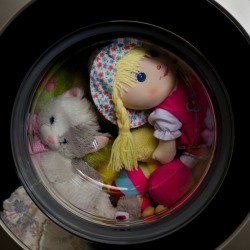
(51, 139)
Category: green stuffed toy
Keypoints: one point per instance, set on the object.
(57, 81)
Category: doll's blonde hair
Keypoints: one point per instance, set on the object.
(123, 153)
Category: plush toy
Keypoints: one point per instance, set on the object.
(129, 182)
(99, 160)
(142, 136)
(68, 127)
(145, 142)
(126, 76)
(57, 81)
(135, 183)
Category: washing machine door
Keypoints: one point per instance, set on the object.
(198, 34)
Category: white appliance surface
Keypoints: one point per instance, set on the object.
(240, 10)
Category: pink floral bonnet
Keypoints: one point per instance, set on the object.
(102, 75)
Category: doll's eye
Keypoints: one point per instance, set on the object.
(141, 77)
(52, 120)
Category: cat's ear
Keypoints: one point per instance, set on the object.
(99, 142)
(74, 92)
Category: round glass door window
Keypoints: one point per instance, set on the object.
(127, 136)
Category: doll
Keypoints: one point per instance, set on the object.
(127, 80)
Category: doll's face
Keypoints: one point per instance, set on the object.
(154, 83)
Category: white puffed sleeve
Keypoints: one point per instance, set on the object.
(167, 126)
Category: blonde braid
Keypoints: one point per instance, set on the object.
(123, 153)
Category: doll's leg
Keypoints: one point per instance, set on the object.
(170, 182)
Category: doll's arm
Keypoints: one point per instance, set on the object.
(165, 152)
(167, 130)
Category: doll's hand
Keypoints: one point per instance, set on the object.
(165, 152)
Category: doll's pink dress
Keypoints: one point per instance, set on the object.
(179, 117)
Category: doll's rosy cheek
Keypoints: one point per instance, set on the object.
(153, 91)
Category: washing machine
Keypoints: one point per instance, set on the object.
(42, 41)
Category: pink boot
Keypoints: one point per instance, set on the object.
(170, 182)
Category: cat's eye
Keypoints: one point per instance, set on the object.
(52, 120)
(65, 141)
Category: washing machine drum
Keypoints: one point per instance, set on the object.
(122, 132)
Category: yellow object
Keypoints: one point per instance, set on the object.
(124, 154)
(148, 167)
(145, 142)
(99, 160)
(100, 157)
(160, 208)
(148, 212)
(107, 174)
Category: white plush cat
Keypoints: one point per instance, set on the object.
(63, 112)
(68, 126)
